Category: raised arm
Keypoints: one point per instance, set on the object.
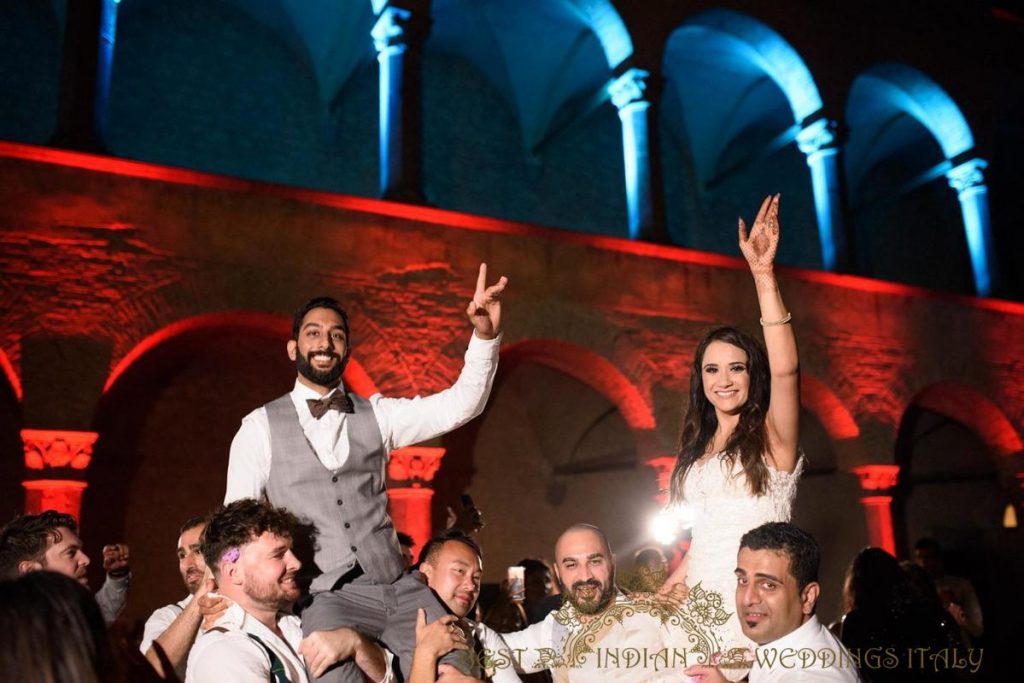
(783, 420)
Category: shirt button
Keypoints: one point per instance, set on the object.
(334, 479)
(339, 501)
(353, 548)
(347, 525)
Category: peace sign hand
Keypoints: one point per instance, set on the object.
(484, 311)
(760, 246)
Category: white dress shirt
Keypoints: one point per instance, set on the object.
(402, 422)
(810, 654)
(159, 621)
(226, 654)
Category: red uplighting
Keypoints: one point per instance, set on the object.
(11, 375)
(878, 514)
(975, 410)
(279, 326)
(455, 219)
(819, 399)
(62, 495)
(588, 367)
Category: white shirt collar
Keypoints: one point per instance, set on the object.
(301, 392)
(800, 635)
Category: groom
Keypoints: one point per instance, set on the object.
(321, 452)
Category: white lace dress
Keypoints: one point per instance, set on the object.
(723, 509)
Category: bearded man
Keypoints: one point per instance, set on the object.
(600, 633)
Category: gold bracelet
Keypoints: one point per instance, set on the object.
(773, 323)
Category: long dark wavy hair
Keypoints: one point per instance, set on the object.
(749, 441)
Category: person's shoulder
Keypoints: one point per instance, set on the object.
(167, 612)
(221, 642)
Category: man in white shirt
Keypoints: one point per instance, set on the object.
(321, 452)
(248, 546)
(171, 630)
(776, 592)
(600, 633)
(50, 541)
(452, 566)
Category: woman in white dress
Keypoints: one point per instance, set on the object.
(738, 461)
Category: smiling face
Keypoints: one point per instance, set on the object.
(586, 570)
(64, 555)
(455, 574)
(265, 572)
(768, 598)
(725, 376)
(190, 559)
(320, 351)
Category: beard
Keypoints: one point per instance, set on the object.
(281, 597)
(326, 378)
(193, 580)
(602, 596)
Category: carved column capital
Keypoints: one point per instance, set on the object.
(967, 175)
(818, 136)
(396, 27)
(630, 88)
(415, 464)
(53, 448)
(877, 477)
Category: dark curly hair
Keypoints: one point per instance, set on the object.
(26, 537)
(749, 441)
(240, 523)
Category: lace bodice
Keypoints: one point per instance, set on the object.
(723, 509)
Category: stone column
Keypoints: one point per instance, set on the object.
(819, 142)
(632, 95)
(663, 466)
(878, 481)
(55, 463)
(410, 471)
(968, 179)
(399, 35)
(88, 60)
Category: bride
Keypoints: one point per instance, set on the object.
(738, 461)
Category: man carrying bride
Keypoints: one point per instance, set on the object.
(738, 462)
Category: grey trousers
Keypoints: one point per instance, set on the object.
(384, 612)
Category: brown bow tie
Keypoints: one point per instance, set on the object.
(339, 400)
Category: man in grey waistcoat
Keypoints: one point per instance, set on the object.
(321, 452)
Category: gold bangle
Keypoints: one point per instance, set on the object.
(773, 323)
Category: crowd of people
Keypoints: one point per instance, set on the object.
(301, 576)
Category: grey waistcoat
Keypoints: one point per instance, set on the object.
(348, 506)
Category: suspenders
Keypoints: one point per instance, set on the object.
(277, 672)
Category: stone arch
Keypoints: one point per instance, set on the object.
(525, 83)
(11, 451)
(564, 430)
(959, 459)
(30, 69)
(263, 324)
(908, 138)
(187, 79)
(819, 399)
(11, 374)
(737, 101)
(975, 410)
(589, 368)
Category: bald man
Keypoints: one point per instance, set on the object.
(633, 647)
